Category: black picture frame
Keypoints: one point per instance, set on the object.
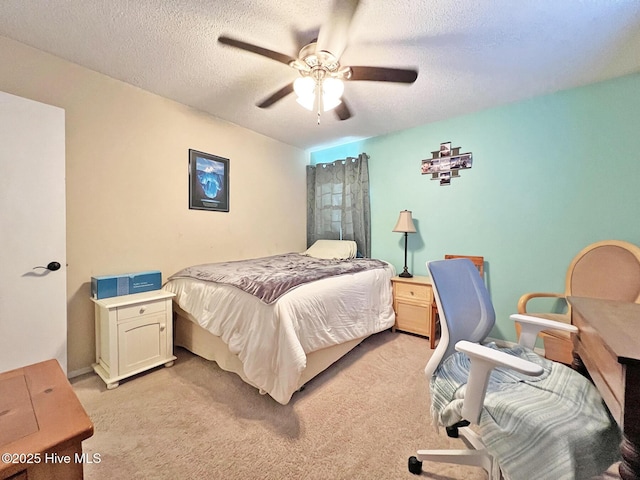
(208, 182)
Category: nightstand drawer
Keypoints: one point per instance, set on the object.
(413, 291)
(133, 311)
(413, 318)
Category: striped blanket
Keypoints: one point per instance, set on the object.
(554, 426)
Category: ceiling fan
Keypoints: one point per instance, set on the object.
(320, 84)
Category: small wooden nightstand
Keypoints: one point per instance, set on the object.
(42, 424)
(133, 334)
(412, 298)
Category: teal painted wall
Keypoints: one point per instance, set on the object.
(550, 176)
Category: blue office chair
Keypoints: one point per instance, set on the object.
(533, 418)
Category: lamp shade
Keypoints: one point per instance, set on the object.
(405, 223)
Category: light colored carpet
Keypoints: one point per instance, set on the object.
(360, 419)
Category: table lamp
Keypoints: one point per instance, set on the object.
(405, 225)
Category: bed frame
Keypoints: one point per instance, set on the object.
(190, 335)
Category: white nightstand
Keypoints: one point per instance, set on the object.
(133, 333)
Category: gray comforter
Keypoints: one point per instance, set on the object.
(269, 278)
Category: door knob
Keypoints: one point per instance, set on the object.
(53, 266)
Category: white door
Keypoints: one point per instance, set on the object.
(33, 303)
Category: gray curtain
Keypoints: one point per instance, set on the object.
(338, 202)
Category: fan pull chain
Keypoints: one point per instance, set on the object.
(318, 98)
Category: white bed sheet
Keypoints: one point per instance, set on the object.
(272, 340)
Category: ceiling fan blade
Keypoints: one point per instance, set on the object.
(334, 33)
(279, 95)
(342, 111)
(382, 74)
(279, 57)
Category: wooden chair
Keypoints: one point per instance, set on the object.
(435, 319)
(609, 269)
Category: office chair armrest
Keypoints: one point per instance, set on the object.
(483, 360)
(531, 326)
(522, 302)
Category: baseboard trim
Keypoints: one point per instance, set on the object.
(81, 371)
(499, 342)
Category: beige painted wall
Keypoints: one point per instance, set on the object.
(127, 188)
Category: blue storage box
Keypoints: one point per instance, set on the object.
(106, 286)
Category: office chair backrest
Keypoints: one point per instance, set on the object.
(470, 319)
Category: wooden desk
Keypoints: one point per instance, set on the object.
(608, 346)
(42, 424)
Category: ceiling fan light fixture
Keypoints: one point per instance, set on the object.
(332, 88)
(329, 103)
(304, 86)
(307, 101)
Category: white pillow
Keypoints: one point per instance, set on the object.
(330, 249)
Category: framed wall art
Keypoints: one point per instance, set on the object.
(208, 182)
(446, 163)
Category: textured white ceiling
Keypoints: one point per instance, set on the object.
(471, 54)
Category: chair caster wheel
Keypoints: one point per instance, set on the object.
(415, 466)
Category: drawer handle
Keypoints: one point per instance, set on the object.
(162, 327)
(142, 309)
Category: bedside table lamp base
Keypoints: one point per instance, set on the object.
(405, 273)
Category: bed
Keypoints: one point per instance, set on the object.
(279, 321)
